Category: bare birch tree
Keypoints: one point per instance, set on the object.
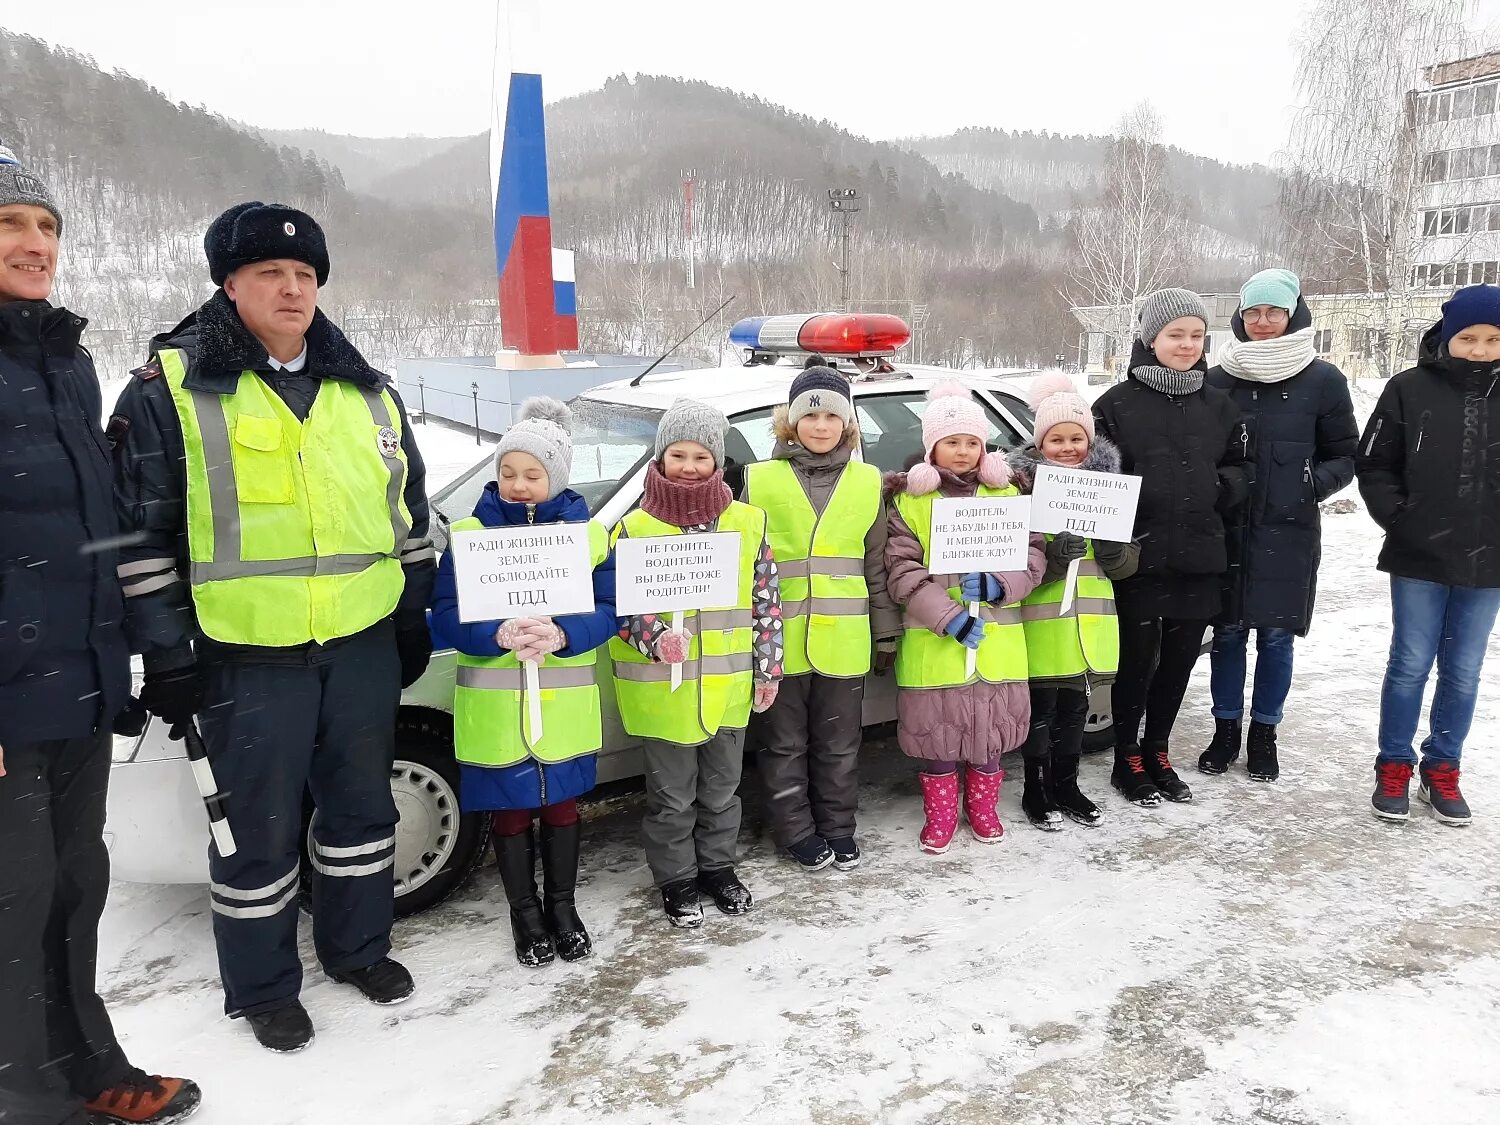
(1131, 239)
(1351, 164)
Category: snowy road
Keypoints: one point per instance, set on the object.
(1267, 954)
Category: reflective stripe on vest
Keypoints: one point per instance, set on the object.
(718, 674)
(1085, 639)
(490, 727)
(295, 529)
(825, 606)
(926, 660)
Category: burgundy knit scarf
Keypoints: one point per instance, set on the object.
(684, 503)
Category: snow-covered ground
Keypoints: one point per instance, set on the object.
(1267, 954)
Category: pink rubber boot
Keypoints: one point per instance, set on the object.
(940, 804)
(981, 796)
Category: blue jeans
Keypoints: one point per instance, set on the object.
(1273, 672)
(1449, 625)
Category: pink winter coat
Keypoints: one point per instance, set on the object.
(976, 722)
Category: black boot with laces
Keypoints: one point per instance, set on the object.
(1131, 779)
(1163, 776)
(1223, 750)
(1260, 753)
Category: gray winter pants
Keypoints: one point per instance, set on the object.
(809, 757)
(692, 821)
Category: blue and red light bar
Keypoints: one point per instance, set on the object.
(832, 334)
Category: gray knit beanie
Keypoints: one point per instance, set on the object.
(690, 420)
(1163, 307)
(17, 185)
(543, 433)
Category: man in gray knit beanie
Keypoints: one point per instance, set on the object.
(1163, 307)
(690, 420)
(17, 185)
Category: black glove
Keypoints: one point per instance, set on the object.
(1065, 547)
(885, 660)
(413, 645)
(174, 697)
(1108, 552)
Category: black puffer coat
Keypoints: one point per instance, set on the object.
(1187, 450)
(1429, 469)
(64, 666)
(1300, 435)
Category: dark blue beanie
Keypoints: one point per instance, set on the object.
(1478, 304)
(819, 388)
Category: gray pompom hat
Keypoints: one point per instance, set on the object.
(543, 433)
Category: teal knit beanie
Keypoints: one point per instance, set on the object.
(1277, 288)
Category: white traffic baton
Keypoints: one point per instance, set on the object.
(208, 789)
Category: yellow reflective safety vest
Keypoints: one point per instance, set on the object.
(825, 603)
(1086, 639)
(490, 717)
(926, 660)
(295, 529)
(717, 676)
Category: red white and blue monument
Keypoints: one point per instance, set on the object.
(538, 308)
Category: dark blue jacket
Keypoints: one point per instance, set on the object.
(64, 664)
(1300, 434)
(527, 785)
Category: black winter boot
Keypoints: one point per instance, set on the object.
(1224, 749)
(724, 887)
(1036, 797)
(1066, 795)
(285, 1030)
(1131, 779)
(680, 902)
(1260, 753)
(1165, 778)
(516, 859)
(559, 878)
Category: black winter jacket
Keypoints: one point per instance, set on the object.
(1188, 452)
(1300, 435)
(64, 666)
(1429, 469)
(150, 484)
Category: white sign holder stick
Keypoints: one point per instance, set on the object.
(677, 668)
(1070, 587)
(971, 655)
(533, 688)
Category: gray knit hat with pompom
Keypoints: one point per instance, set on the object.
(543, 433)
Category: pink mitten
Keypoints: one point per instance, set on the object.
(765, 696)
(511, 634)
(672, 646)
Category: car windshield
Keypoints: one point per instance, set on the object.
(609, 440)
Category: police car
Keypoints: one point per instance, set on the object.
(157, 828)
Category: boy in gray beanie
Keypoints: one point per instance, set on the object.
(1163, 307)
(542, 433)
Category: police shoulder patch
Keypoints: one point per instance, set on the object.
(148, 370)
(389, 441)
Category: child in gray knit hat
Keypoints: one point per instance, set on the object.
(541, 434)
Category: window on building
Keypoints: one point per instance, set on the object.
(1491, 273)
(1463, 104)
(1323, 338)
(1368, 343)
(1484, 100)
(1429, 223)
(1435, 167)
(1450, 275)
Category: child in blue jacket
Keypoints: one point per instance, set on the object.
(505, 770)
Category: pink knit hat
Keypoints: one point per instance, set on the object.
(1057, 400)
(952, 410)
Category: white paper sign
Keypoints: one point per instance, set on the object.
(1094, 505)
(532, 571)
(985, 533)
(669, 573)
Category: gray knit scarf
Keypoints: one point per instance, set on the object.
(1169, 382)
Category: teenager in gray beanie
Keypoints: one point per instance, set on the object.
(1184, 440)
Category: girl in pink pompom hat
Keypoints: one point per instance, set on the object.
(947, 717)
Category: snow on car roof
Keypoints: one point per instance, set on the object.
(733, 389)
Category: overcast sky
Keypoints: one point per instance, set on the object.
(1224, 83)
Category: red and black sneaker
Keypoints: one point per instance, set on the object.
(1390, 801)
(1439, 790)
(1130, 778)
(141, 1097)
(1159, 767)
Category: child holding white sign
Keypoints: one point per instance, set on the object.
(505, 770)
(693, 732)
(1067, 653)
(947, 715)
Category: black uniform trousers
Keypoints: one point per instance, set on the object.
(318, 721)
(57, 1047)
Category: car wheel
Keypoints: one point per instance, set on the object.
(437, 845)
(1099, 730)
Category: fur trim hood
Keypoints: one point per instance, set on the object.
(784, 432)
(1103, 457)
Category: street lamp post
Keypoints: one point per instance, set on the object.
(422, 397)
(474, 387)
(845, 203)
